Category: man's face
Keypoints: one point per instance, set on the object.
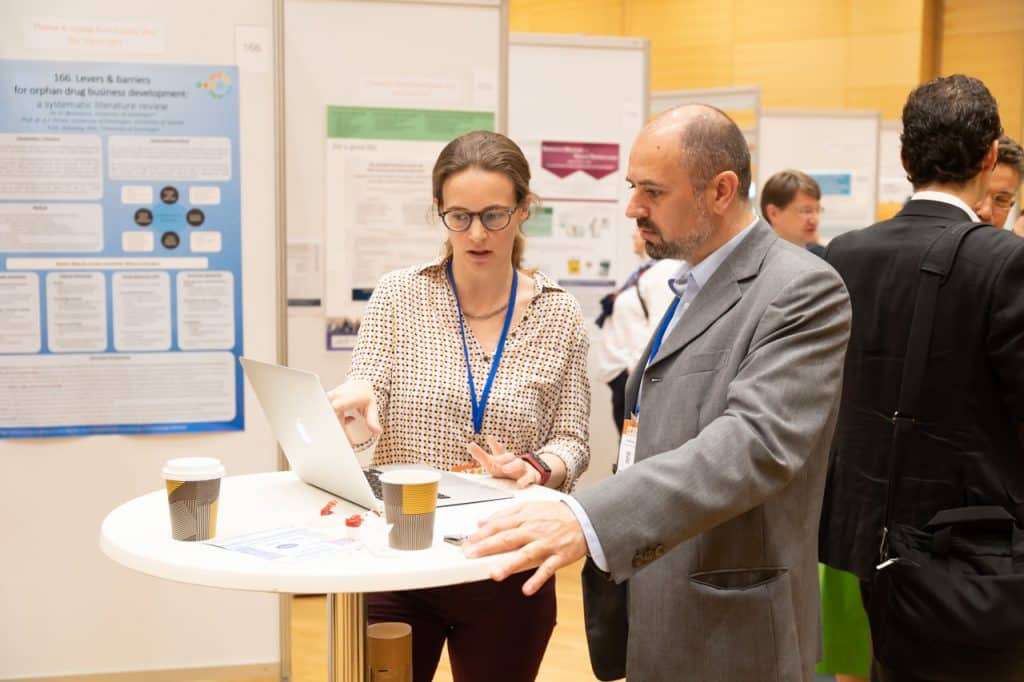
(673, 222)
(1002, 192)
(798, 222)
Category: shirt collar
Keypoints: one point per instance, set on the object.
(700, 274)
(933, 195)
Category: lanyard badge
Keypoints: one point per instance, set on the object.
(627, 444)
(478, 406)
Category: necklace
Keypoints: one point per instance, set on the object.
(485, 316)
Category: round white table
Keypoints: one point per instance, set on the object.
(138, 535)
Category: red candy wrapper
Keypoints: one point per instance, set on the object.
(328, 508)
(354, 521)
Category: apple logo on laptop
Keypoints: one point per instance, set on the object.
(303, 434)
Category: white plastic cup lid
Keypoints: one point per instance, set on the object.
(410, 476)
(193, 469)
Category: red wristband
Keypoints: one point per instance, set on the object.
(539, 464)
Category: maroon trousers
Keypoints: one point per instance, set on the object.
(494, 632)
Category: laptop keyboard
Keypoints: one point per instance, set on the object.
(373, 478)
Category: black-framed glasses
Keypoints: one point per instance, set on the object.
(493, 219)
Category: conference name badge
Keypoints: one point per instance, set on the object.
(627, 445)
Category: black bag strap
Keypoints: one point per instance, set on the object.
(935, 267)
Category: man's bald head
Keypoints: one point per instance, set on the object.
(709, 142)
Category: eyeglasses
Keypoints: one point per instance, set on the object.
(808, 211)
(493, 219)
(1004, 201)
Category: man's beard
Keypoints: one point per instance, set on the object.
(683, 247)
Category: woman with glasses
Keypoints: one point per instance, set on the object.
(472, 359)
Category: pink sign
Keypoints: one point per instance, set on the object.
(596, 159)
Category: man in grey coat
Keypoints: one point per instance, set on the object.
(713, 518)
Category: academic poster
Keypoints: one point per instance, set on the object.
(120, 248)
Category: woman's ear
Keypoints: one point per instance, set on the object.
(525, 208)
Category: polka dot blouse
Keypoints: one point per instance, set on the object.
(410, 350)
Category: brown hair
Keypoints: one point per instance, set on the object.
(782, 188)
(1011, 154)
(490, 152)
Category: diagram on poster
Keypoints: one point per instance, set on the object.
(571, 235)
(120, 248)
(378, 178)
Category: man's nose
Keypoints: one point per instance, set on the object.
(634, 209)
(984, 209)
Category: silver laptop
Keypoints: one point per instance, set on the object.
(318, 451)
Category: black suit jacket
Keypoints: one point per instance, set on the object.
(970, 448)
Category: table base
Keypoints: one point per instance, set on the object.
(346, 637)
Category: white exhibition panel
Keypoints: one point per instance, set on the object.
(893, 186)
(840, 149)
(413, 54)
(581, 89)
(67, 608)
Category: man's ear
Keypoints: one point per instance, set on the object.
(991, 156)
(771, 212)
(722, 191)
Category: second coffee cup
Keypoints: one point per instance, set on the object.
(410, 503)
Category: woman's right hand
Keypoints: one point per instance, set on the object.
(356, 407)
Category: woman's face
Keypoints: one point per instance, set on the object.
(475, 190)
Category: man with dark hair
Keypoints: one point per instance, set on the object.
(712, 514)
(1002, 188)
(969, 439)
(791, 203)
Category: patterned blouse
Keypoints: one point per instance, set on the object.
(410, 350)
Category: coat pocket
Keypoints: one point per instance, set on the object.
(748, 619)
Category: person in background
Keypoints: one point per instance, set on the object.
(791, 203)
(1003, 185)
(713, 520)
(628, 318)
(473, 357)
(969, 448)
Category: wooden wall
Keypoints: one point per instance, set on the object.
(854, 54)
(985, 38)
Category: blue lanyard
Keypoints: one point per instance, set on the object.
(480, 405)
(658, 338)
(656, 345)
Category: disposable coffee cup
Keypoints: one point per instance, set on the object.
(193, 488)
(410, 501)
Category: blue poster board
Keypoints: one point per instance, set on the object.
(120, 248)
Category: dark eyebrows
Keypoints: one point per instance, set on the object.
(645, 183)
